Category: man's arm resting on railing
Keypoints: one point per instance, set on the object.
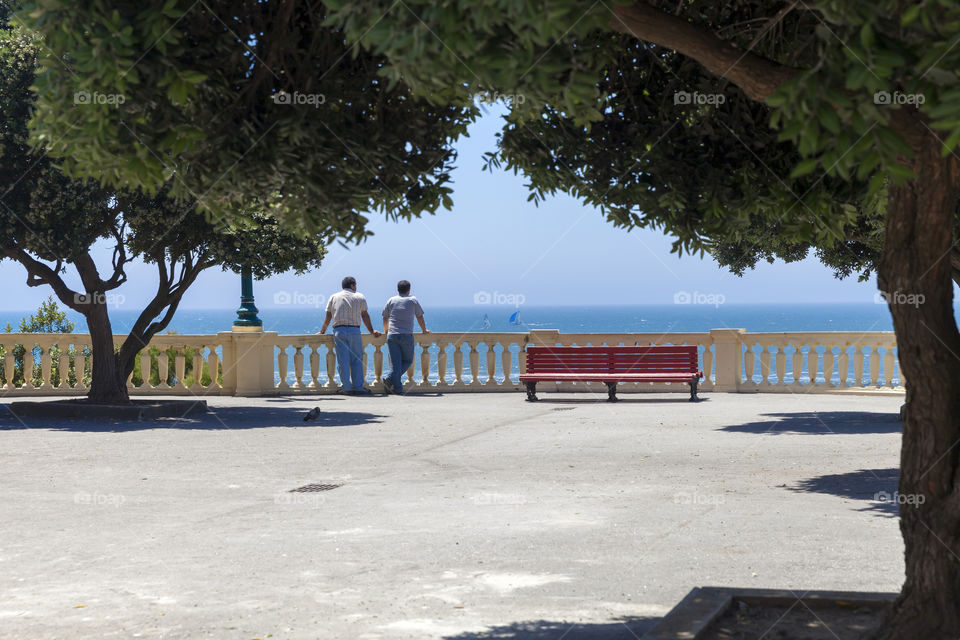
(326, 322)
(366, 321)
(423, 325)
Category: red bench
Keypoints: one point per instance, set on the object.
(611, 365)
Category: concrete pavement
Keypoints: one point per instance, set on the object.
(460, 517)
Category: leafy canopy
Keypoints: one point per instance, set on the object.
(237, 101)
(655, 140)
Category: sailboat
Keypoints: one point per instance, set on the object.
(486, 322)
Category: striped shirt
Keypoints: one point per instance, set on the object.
(346, 307)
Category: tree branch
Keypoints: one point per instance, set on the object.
(39, 274)
(757, 76)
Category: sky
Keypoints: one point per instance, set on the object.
(495, 245)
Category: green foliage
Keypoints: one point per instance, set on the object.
(230, 102)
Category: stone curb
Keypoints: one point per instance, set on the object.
(692, 617)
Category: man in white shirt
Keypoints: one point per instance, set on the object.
(398, 316)
(346, 309)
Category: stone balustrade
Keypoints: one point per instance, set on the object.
(254, 363)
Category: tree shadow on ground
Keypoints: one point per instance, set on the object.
(876, 487)
(218, 418)
(626, 628)
(821, 423)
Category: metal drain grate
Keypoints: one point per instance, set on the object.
(312, 488)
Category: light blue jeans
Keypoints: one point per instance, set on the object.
(401, 348)
(348, 345)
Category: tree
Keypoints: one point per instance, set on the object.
(49, 217)
(819, 134)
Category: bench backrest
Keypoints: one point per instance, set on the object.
(655, 359)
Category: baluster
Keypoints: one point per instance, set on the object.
(163, 368)
(63, 364)
(902, 383)
(29, 363)
(331, 368)
(282, 361)
(46, 366)
(86, 363)
(213, 362)
(874, 365)
(145, 368)
(707, 365)
(298, 367)
(181, 367)
(378, 364)
(765, 367)
(844, 366)
(425, 365)
(507, 365)
(442, 365)
(781, 365)
(888, 366)
(858, 367)
(198, 368)
(491, 365)
(522, 358)
(314, 367)
(748, 358)
(474, 364)
(828, 361)
(797, 361)
(8, 366)
(458, 365)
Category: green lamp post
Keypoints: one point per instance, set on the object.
(247, 313)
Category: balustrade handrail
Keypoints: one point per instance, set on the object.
(264, 362)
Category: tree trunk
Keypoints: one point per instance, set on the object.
(916, 276)
(109, 385)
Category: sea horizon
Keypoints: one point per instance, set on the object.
(642, 318)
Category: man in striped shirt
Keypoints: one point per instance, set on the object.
(346, 309)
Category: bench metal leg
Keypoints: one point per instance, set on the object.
(611, 391)
(531, 391)
(693, 390)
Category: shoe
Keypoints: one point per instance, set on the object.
(362, 392)
(344, 392)
(388, 385)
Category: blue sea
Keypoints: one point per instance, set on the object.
(584, 319)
